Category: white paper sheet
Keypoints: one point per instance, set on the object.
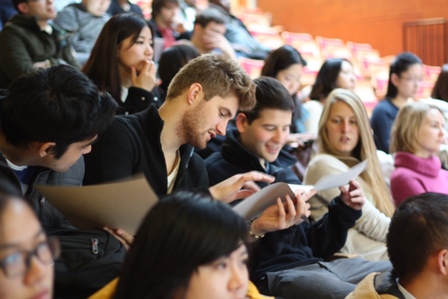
(252, 206)
(121, 204)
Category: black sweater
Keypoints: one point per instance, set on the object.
(131, 145)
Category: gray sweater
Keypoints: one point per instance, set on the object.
(83, 26)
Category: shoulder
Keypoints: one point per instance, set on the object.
(322, 160)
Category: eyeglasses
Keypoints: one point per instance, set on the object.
(18, 263)
(412, 79)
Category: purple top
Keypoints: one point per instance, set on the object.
(415, 175)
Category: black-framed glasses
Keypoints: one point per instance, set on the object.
(18, 263)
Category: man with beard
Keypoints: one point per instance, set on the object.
(201, 99)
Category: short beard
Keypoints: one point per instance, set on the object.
(189, 127)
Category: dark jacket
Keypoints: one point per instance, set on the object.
(131, 145)
(49, 217)
(235, 158)
(298, 245)
(139, 99)
(22, 43)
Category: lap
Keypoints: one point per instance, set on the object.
(334, 279)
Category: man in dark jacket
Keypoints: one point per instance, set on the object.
(28, 41)
(48, 121)
(289, 262)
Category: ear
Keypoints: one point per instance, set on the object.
(395, 79)
(46, 148)
(194, 93)
(23, 7)
(241, 122)
(442, 261)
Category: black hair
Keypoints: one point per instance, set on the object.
(418, 229)
(399, 65)
(172, 60)
(182, 232)
(440, 89)
(209, 15)
(269, 94)
(157, 6)
(102, 67)
(59, 105)
(281, 59)
(326, 78)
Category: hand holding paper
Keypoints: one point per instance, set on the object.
(283, 214)
(354, 196)
(255, 204)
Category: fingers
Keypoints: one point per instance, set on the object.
(133, 74)
(257, 176)
(306, 195)
(125, 238)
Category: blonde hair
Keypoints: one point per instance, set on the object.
(403, 137)
(364, 150)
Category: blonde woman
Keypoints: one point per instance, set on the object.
(344, 140)
(417, 134)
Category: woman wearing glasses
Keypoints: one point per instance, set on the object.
(26, 255)
(405, 78)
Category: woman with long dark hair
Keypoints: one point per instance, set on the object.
(121, 63)
(405, 78)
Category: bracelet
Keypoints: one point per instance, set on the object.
(252, 233)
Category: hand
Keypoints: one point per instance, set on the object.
(213, 40)
(42, 64)
(283, 214)
(239, 186)
(299, 139)
(146, 79)
(124, 237)
(354, 196)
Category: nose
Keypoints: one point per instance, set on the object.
(221, 127)
(36, 271)
(149, 50)
(345, 126)
(238, 277)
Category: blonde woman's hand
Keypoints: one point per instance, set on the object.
(354, 196)
(146, 79)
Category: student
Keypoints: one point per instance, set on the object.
(417, 133)
(405, 78)
(121, 6)
(164, 24)
(121, 63)
(171, 61)
(334, 73)
(188, 246)
(84, 21)
(258, 139)
(344, 139)
(286, 65)
(26, 254)
(289, 262)
(420, 223)
(28, 41)
(237, 34)
(48, 121)
(208, 35)
(201, 99)
(440, 89)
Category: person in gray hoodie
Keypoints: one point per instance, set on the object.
(84, 21)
